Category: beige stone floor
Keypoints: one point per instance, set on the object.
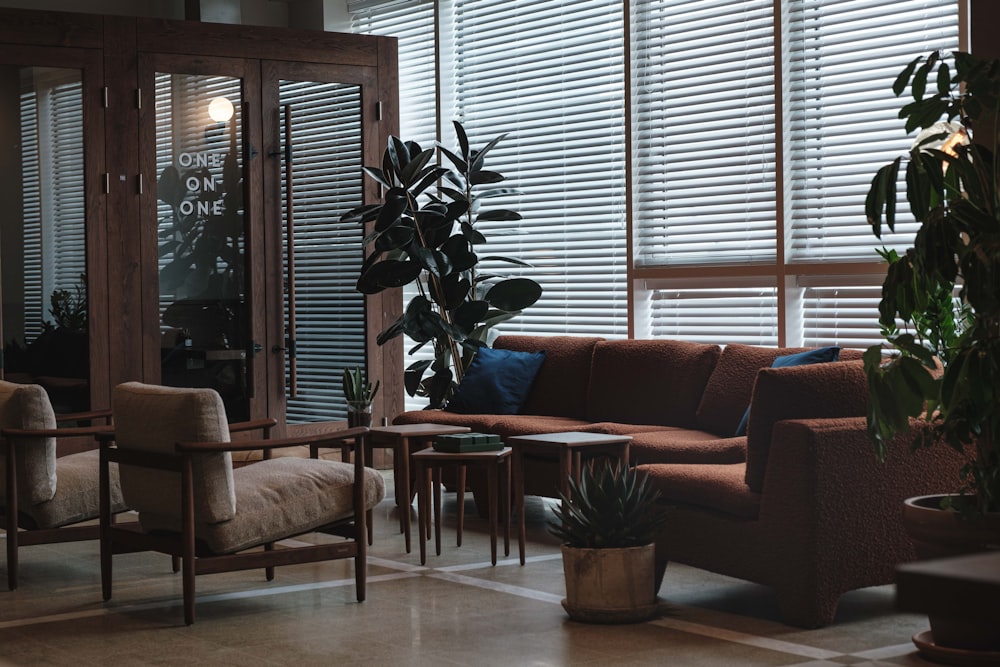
(456, 610)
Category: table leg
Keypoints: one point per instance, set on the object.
(404, 502)
(565, 470)
(368, 452)
(423, 484)
(461, 502)
(506, 506)
(436, 490)
(492, 472)
(517, 465)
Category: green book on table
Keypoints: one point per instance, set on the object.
(468, 442)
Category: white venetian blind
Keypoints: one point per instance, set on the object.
(842, 115)
(550, 74)
(844, 315)
(704, 137)
(705, 312)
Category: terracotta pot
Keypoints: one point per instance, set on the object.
(609, 585)
(938, 533)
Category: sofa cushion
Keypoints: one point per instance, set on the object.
(508, 425)
(649, 381)
(479, 423)
(837, 389)
(815, 356)
(560, 388)
(728, 391)
(712, 487)
(27, 406)
(497, 381)
(686, 446)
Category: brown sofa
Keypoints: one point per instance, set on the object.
(800, 503)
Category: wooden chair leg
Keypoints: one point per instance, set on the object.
(175, 563)
(11, 556)
(269, 571)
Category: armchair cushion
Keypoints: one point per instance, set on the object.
(154, 419)
(76, 498)
(280, 498)
(27, 406)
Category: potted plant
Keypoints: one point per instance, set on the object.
(427, 235)
(607, 525)
(359, 394)
(940, 307)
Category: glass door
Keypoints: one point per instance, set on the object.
(46, 310)
(197, 224)
(313, 126)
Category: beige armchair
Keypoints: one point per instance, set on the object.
(175, 457)
(46, 496)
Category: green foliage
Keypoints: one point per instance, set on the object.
(357, 390)
(945, 290)
(425, 233)
(69, 308)
(611, 507)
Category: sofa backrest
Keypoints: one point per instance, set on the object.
(560, 388)
(649, 381)
(728, 391)
(835, 389)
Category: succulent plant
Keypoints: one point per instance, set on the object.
(611, 507)
(356, 389)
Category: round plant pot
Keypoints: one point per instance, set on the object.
(609, 585)
(940, 533)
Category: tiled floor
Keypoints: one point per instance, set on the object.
(458, 610)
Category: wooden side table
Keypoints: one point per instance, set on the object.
(429, 462)
(572, 448)
(399, 439)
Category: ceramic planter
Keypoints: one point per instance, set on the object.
(609, 585)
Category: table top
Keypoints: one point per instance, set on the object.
(569, 439)
(420, 429)
(432, 454)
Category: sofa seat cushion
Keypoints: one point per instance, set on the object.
(686, 446)
(716, 487)
(478, 423)
(76, 498)
(617, 428)
(560, 387)
(281, 497)
(508, 425)
(649, 381)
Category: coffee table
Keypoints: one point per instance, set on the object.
(429, 463)
(399, 439)
(572, 448)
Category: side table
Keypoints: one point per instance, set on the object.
(571, 448)
(429, 462)
(399, 439)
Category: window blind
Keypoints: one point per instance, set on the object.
(842, 58)
(708, 312)
(329, 312)
(839, 314)
(550, 75)
(704, 137)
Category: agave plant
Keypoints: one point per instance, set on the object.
(611, 507)
(425, 233)
(357, 390)
(945, 290)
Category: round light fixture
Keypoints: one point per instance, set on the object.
(220, 109)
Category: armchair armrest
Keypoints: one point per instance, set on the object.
(332, 439)
(253, 425)
(95, 431)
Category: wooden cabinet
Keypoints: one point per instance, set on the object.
(205, 247)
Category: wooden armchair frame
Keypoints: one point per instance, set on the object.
(195, 560)
(20, 535)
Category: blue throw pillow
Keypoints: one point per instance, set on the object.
(497, 382)
(818, 356)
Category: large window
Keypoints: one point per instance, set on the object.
(755, 128)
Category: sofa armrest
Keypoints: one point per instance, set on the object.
(828, 390)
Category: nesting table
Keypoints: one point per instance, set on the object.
(429, 462)
(572, 448)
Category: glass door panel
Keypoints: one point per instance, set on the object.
(205, 333)
(43, 233)
(321, 143)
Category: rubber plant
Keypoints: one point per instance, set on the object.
(940, 307)
(425, 233)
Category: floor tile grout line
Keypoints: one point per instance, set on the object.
(734, 636)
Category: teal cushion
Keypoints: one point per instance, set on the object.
(497, 382)
(818, 356)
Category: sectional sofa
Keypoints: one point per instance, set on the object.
(800, 503)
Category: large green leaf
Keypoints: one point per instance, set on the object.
(387, 274)
(169, 188)
(514, 294)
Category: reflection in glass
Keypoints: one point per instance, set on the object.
(204, 331)
(42, 233)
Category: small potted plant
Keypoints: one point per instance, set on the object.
(607, 526)
(359, 394)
